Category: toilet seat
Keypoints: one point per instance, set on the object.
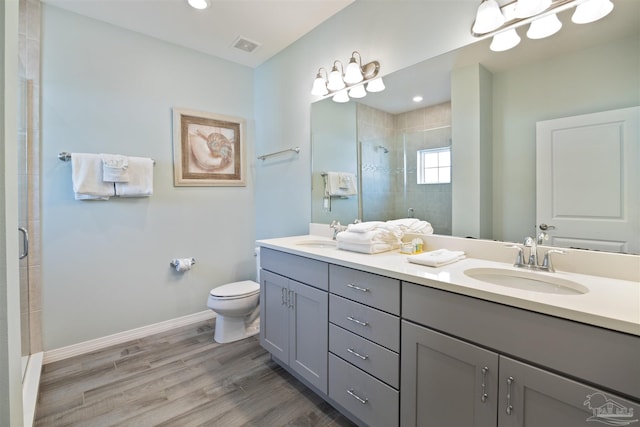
(235, 290)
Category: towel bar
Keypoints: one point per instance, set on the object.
(266, 156)
(65, 157)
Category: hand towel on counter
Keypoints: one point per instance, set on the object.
(340, 184)
(86, 175)
(140, 179)
(437, 258)
(379, 235)
(115, 168)
(366, 248)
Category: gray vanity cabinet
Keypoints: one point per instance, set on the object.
(294, 317)
(534, 397)
(446, 381)
(364, 345)
(447, 374)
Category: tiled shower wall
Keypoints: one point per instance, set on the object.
(29, 152)
(389, 186)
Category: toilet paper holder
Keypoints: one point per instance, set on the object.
(174, 262)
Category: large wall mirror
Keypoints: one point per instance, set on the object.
(383, 137)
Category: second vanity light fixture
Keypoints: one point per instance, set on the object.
(541, 15)
(350, 83)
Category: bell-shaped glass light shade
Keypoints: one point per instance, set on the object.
(527, 8)
(319, 86)
(375, 85)
(505, 40)
(341, 96)
(488, 18)
(354, 72)
(335, 80)
(544, 27)
(198, 4)
(591, 11)
(357, 92)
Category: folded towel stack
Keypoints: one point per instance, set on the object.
(437, 258)
(412, 225)
(341, 184)
(101, 176)
(370, 237)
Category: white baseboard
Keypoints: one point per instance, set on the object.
(121, 337)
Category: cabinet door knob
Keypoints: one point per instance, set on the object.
(510, 381)
(359, 322)
(355, 353)
(358, 398)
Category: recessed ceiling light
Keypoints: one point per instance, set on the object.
(199, 4)
(417, 98)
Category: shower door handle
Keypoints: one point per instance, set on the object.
(25, 242)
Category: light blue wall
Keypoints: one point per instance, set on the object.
(105, 265)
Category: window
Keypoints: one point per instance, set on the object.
(434, 166)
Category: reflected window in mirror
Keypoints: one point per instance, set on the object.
(434, 166)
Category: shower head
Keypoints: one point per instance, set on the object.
(383, 148)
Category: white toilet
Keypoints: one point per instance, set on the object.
(237, 309)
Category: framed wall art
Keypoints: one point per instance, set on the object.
(208, 149)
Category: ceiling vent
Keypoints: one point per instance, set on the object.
(245, 44)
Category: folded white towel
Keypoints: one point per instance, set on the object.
(412, 225)
(367, 248)
(363, 227)
(379, 235)
(140, 179)
(340, 184)
(115, 168)
(86, 175)
(437, 258)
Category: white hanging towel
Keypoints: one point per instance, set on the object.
(140, 179)
(340, 184)
(86, 174)
(115, 168)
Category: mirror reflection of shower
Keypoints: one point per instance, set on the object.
(392, 185)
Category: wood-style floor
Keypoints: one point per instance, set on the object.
(178, 378)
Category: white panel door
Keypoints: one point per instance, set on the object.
(588, 180)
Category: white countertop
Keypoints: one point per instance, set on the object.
(609, 303)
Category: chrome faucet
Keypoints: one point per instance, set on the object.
(532, 243)
(337, 227)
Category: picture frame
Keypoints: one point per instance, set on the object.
(208, 149)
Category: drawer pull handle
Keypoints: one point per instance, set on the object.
(284, 296)
(510, 381)
(483, 399)
(359, 322)
(355, 353)
(358, 398)
(291, 298)
(357, 288)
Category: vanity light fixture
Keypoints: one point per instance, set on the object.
(199, 4)
(501, 22)
(343, 84)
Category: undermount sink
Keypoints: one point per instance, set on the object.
(319, 243)
(527, 281)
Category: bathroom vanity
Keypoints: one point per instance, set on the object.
(389, 342)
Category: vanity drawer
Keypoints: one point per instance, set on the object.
(380, 362)
(373, 290)
(372, 401)
(301, 269)
(372, 324)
